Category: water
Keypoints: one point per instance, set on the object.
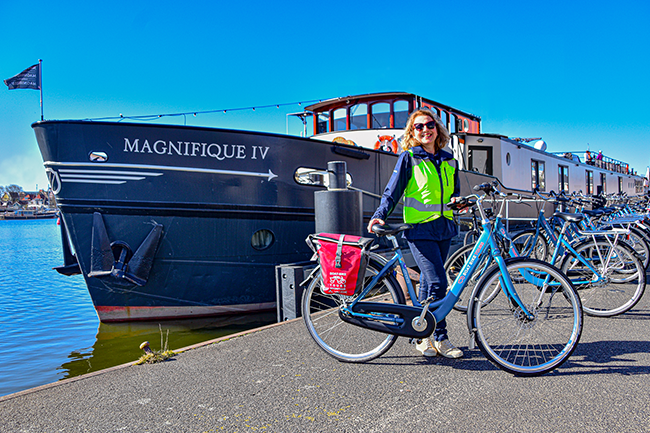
(48, 327)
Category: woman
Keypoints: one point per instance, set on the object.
(428, 178)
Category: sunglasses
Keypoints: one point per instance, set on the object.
(429, 125)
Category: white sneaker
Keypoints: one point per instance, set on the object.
(426, 348)
(446, 349)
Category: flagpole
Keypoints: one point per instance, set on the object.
(40, 83)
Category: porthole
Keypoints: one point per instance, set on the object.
(316, 177)
(98, 156)
(465, 125)
(508, 158)
(262, 239)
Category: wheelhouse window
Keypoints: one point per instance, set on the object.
(444, 117)
(359, 116)
(563, 178)
(323, 122)
(538, 174)
(340, 120)
(460, 124)
(401, 110)
(589, 181)
(381, 115)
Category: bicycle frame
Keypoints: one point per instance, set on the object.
(486, 244)
(562, 244)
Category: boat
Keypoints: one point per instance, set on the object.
(169, 221)
(28, 214)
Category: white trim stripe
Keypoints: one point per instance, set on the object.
(100, 165)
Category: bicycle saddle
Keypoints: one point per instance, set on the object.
(593, 213)
(388, 229)
(570, 217)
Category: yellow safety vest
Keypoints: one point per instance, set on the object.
(429, 190)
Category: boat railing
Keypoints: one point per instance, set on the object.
(597, 160)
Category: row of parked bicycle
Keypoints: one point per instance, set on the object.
(604, 252)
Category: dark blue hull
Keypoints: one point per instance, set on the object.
(173, 221)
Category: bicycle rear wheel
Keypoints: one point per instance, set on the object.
(623, 277)
(641, 244)
(518, 344)
(342, 340)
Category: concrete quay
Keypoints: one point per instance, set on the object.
(275, 379)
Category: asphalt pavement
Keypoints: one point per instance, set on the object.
(275, 379)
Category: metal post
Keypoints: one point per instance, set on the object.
(40, 83)
(337, 175)
(338, 210)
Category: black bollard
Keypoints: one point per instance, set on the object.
(337, 171)
(338, 210)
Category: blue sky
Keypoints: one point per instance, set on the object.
(572, 72)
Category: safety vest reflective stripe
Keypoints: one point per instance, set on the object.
(414, 203)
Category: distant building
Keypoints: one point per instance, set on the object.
(23, 199)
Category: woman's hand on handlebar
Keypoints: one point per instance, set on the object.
(373, 222)
(460, 204)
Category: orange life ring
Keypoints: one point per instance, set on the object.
(388, 140)
(342, 140)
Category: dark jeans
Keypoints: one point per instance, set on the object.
(430, 257)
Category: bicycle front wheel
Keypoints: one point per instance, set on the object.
(471, 237)
(514, 342)
(523, 243)
(344, 341)
(620, 281)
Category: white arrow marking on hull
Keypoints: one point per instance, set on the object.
(270, 175)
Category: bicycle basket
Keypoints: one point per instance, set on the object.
(343, 260)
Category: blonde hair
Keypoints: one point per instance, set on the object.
(409, 141)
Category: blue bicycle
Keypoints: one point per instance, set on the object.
(524, 314)
(604, 268)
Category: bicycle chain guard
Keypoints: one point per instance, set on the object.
(382, 319)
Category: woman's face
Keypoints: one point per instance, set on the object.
(425, 136)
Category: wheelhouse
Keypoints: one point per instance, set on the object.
(384, 111)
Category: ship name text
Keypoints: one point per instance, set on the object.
(190, 148)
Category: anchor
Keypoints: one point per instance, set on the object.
(117, 259)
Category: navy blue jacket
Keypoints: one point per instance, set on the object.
(438, 229)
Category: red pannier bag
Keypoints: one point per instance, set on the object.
(343, 260)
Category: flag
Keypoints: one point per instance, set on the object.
(28, 79)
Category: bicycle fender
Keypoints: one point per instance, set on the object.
(310, 276)
(405, 312)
